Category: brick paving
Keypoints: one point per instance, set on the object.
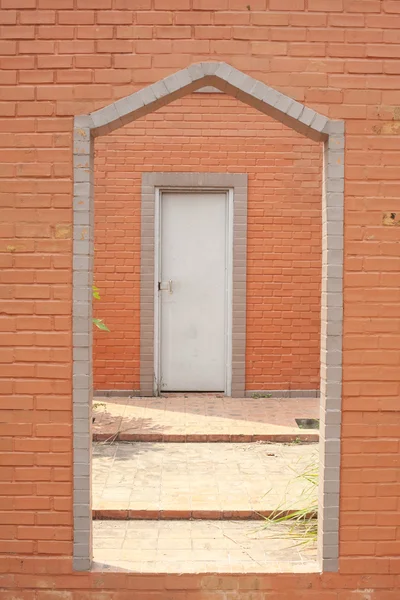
(198, 480)
(203, 417)
(198, 546)
(216, 493)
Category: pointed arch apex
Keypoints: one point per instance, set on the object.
(226, 78)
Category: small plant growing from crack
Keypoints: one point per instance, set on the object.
(302, 524)
(98, 322)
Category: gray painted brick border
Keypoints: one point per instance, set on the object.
(300, 118)
(193, 181)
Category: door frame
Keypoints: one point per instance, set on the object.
(237, 184)
(159, 191)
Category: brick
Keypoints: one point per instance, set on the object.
(94, 4)
(114, 17)
(8, 47)
(346, 50)
(291, 5)
(7, 109)
(326, 35)
(77, 46)
(308, 20)
(269, 48)
(8, 17)
(74, 76)
(326, 6)
(153, 47)
(100, 32)
(183, 18)
(135, 61)
(170, 5)
(92, 61)
(164, 31)
(346, 20)
(18, 4)
(300, 49)
(51, 62)
(383, 51)
(390, 6)
(288, 34)
(36, 76)
(243, 6)
(135, 32)
(20, 518)
(114, 46)
(363, 6)
(37, 17)
(212, 33)
(21, 32)
(80, 17)
(207, 4)
(56, 4)
(126, 5)
(53, 547)
(370, 66)
(17, 547)
(63, 32)
(37, 47)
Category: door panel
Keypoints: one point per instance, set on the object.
(193, 275)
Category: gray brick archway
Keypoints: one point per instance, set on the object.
(300, 118)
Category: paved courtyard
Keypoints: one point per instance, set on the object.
(181, 483)
(203, 417)
(199, 480)
(198, 546)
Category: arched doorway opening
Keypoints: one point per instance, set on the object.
(303, 120)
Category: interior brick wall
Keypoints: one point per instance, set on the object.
(216, 133)
(60, 58)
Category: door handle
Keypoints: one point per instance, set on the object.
(163, 285)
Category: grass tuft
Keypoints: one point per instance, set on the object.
(302, 524)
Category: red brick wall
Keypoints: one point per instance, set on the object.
(218, 134)
(66, 57)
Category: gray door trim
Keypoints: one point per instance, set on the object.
(151, 182)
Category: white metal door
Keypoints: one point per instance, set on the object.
(193, 296)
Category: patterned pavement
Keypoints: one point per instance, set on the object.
(198, 546)
(203, 417)
(197, 506)
(199, 480)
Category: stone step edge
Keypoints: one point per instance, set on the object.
(188, 515)
(301, 437)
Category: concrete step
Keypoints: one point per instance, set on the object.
(301, 437)
(150, 480)
(203, 418)
(199, 547)
(104, 514)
